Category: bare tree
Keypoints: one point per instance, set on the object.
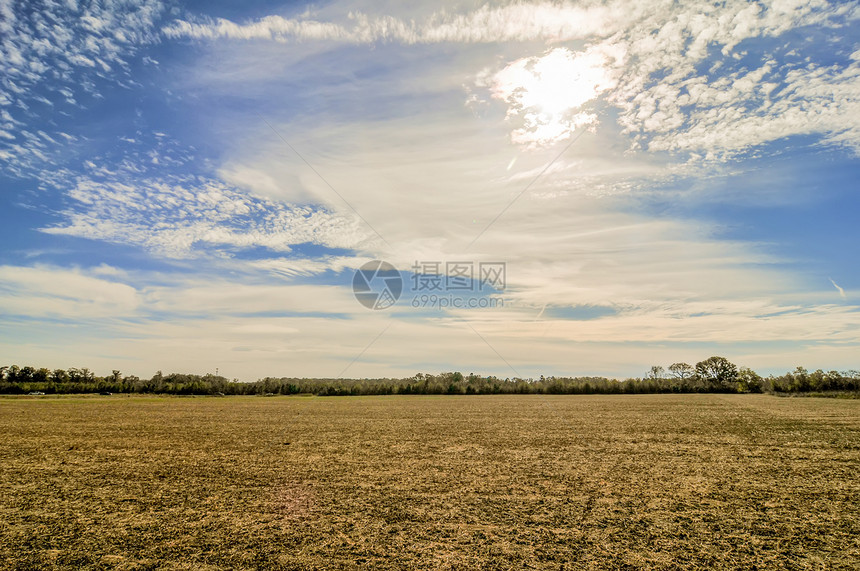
(656, 372)
(681, 371)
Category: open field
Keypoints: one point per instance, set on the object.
(472, 482)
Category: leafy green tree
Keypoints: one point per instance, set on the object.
(718, 372)
(83, 375)
(749, 380)
(832, 380)
(60, 376)
(12, 373)
(800, 381)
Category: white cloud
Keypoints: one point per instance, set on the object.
(487, 24)
(226, 297)
(640, 57)
(839, 289)
(43, 291)
(56, 49)
(547, 93)
(669, 104)
(564, 243)
(185, 216)
(293, 267)
(250, 328)
(744, 109)
(712, 322)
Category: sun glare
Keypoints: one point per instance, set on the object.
(547, 93)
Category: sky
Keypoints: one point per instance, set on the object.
(194, 187)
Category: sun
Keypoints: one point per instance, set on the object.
(547, 93)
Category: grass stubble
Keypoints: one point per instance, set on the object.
(430, 482)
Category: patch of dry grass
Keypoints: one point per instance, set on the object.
(474, 482)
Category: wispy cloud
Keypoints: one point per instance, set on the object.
(487, 24)
(251, 326)
(183, 217)
(839, 289)
(46, 291)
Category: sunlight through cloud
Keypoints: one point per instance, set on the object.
(546, 94)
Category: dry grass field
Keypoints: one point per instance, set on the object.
(470, 482)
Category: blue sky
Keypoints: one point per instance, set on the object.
(187, 186)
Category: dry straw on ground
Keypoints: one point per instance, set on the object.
(480, 482)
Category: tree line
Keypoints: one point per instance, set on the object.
(715, 374)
